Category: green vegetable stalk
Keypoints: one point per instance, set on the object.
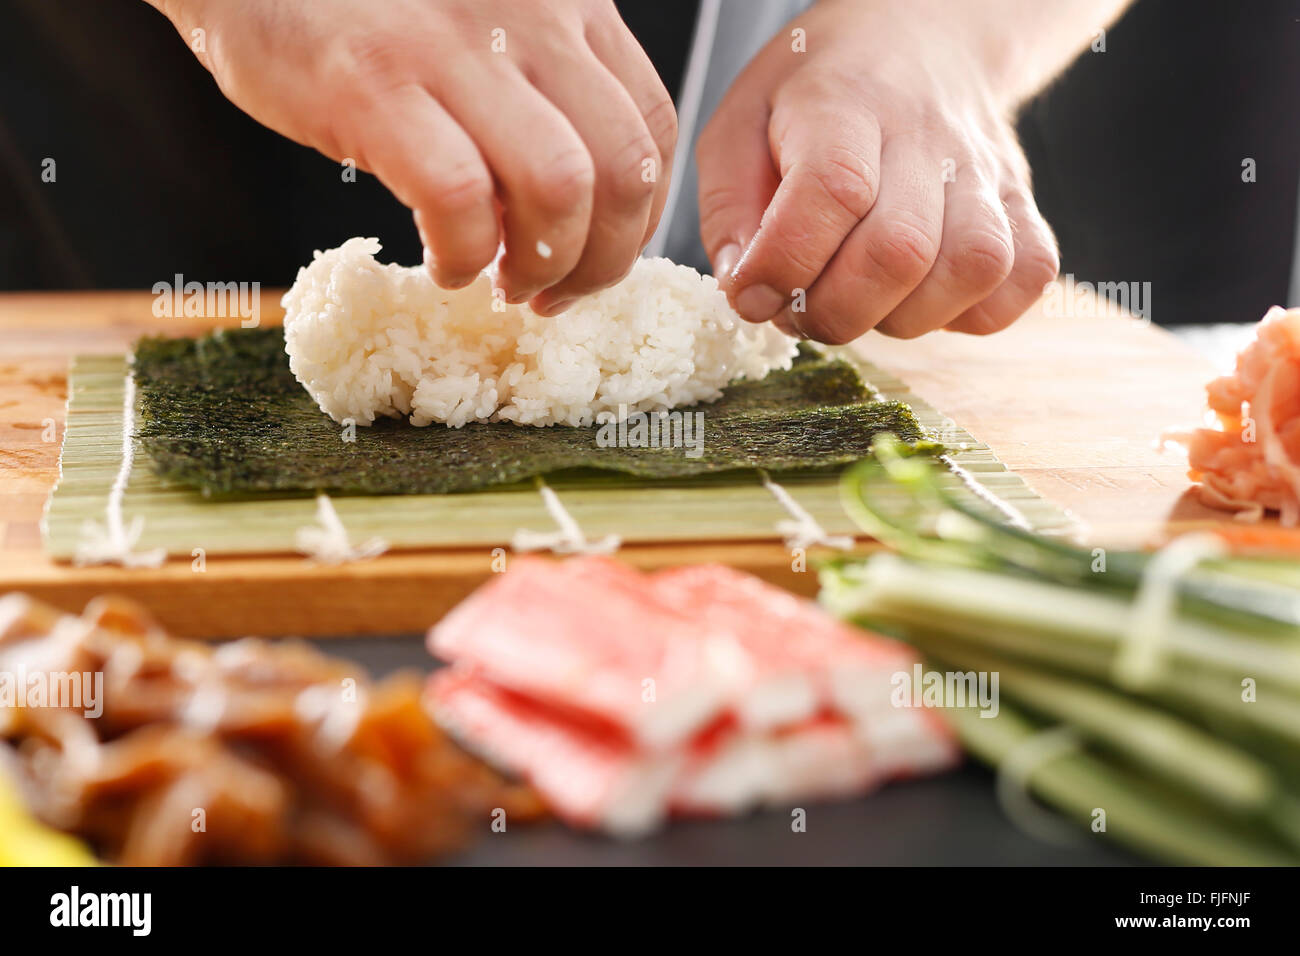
(1178, 674)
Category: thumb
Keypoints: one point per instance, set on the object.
(737, 179)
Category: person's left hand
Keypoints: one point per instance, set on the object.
(874, 179)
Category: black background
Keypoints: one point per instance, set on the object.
(919, 909)
(1137, 155)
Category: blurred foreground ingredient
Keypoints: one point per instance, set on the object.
(623, 697)
(1176, 674)
(1250, 463)
(245, 753)
(25, 841)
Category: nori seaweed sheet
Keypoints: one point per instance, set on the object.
(224, 414)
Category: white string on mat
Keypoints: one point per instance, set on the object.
(979, 491)
(113, 541)
(1155, 606)
(802, 529)
(1011, 785)
(569, 539)
(326, 542)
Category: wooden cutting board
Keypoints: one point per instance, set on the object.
(1074, 404)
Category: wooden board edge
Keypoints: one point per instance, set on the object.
(393, 594)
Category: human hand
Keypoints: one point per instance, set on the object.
(877, 172)
(543, 125)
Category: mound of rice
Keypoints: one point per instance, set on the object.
(367, 339)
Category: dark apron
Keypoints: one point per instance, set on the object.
(1137, 154)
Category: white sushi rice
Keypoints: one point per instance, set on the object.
(368, 339)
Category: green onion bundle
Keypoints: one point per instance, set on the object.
(1175, 674)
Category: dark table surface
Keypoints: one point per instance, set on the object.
(952, 819)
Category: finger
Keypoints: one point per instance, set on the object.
(622, 55)
(975, 256)
(829, 163)
(736, 178)
(543, 171)
(626, 160)
(423, 156)
(1036, 264)
(885, 256)
(786, 325)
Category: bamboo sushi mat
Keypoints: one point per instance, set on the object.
(180, 520)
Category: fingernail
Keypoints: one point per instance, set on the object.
(726, 262)
(445, 281)
(786, 321)
(758, 303)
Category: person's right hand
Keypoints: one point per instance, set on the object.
(543, 125)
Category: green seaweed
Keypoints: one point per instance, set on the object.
(224, 414)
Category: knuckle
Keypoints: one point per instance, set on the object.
(661, 121)
(460, 189)
(903, 255)
(941, 118)
(593, 276)
(901, 328)
(718, 201)
(377, 61)
(1013, 163)
(602, 277)
(782, 257)
(625, 181)
(825, 91)
(980, 259)
(835, 331)
(837, 316)
(563, 183)
(461, 263)
(982, 321)
(1037, 265)
(848, 180)
(333, 135)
